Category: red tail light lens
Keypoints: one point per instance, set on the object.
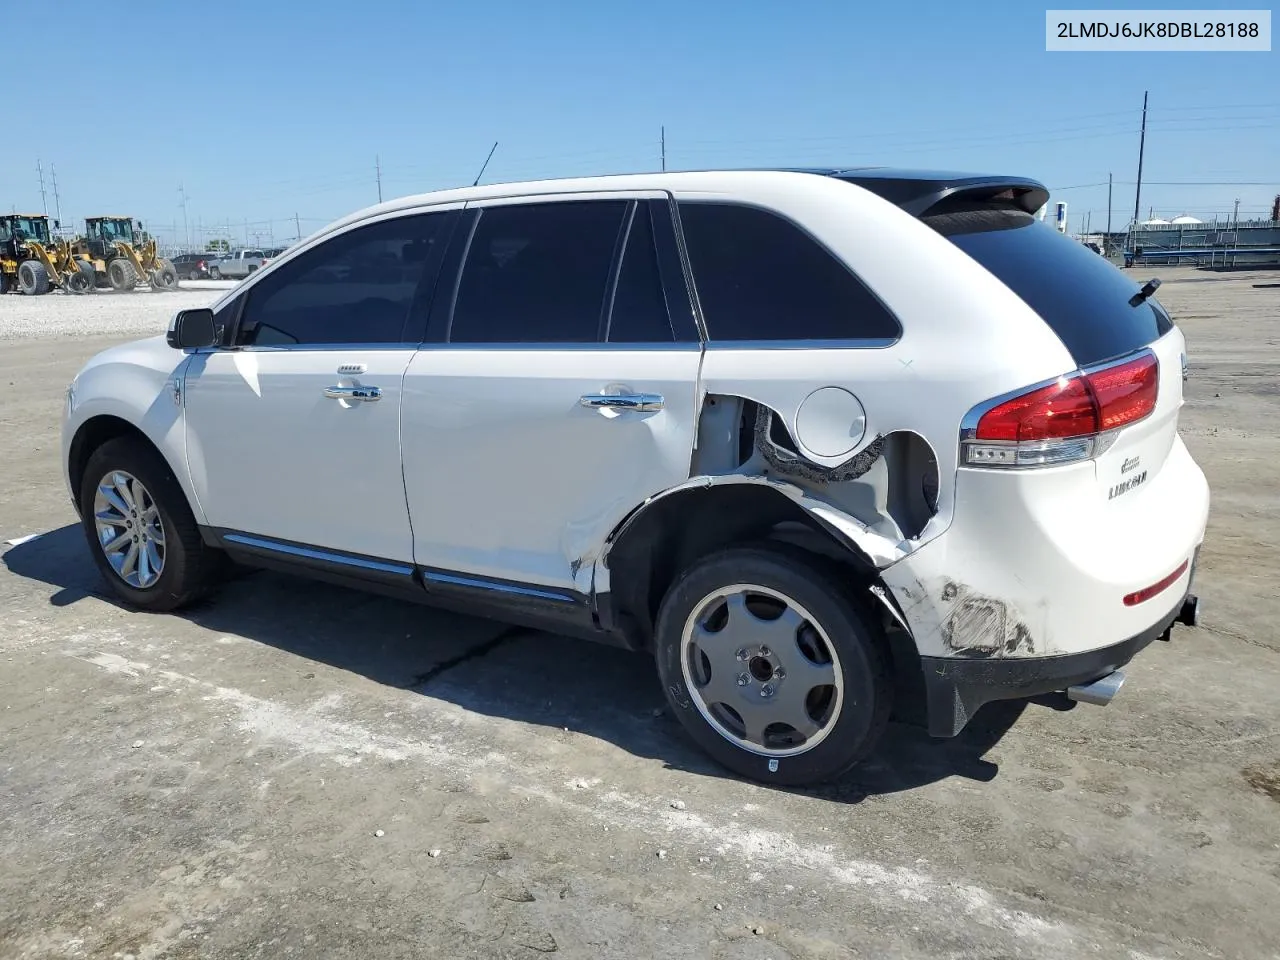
(1126, 393)
(1058, 423)
(1062, 409)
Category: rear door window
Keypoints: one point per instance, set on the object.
(760, 277)
(1080, 295)
(639, 313)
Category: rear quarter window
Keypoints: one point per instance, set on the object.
(760, 277)
(1079, 294)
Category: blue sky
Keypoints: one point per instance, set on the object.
(261, 110)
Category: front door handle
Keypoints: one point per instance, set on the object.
(356, 394)
(642, 402)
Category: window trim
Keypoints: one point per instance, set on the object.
(415, 325)
(783, 343)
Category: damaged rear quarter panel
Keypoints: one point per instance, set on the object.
(966, 338)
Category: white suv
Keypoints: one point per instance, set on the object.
(826, 442)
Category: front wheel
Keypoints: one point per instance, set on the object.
(771, 667)
(215, 273)
(141, 532)
(121, 275)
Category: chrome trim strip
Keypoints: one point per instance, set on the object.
(462, 581)
(863, 343)
(312, 553)
(692, 346)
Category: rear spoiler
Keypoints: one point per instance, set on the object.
(920, 197)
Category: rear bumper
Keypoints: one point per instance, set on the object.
(956, 687)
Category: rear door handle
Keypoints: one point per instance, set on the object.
(356, 394)
(642, 402)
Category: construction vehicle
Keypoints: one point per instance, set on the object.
(33, 263)
(122, 257)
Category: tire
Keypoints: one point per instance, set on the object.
(189, 568)
(79, 280)
(841, 721)
(193, 275)
(33, 278)
(215, 273)
(164, 277)
(121, 275)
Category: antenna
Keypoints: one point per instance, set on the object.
(486, 163)
(663, 141)
(377, 171)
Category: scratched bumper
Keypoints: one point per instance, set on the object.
(956, 687)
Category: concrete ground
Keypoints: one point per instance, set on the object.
(297, 770)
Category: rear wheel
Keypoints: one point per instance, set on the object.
(193, 275)
(140, 529)
(215, 273)
(121, 275)
(33, 278)
(771, 667)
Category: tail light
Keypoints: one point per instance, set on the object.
(1068, 420)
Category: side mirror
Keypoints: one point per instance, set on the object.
(192, 329)
(57, 224)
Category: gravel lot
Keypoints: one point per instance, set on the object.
(296, 770)
(142, 313)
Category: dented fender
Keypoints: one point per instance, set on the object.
(881, 550)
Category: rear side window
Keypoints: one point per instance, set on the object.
(639, 312)
(760, 277)
(1081, 296)
(537, 273)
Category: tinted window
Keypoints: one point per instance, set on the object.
(356, 288)
(1081, 296)
(639, 306)
(760, 277)
(537, 273)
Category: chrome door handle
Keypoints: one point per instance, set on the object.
(643, 402)
(362, 394)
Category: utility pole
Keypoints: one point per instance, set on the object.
(377, 171)
(1142, 146)
(1108, 204)
(186, 231)
(663, 142)
(57, 203)
(43, 202)
(297, 227)
(1235, 217)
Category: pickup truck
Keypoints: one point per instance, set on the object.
(237, 265)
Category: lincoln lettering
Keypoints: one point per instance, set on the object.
(1127, 485)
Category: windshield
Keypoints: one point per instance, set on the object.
(116, 229)
(1080, 295)
(31, 228)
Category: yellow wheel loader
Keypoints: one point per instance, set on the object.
(121, 258)
(33, 263)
